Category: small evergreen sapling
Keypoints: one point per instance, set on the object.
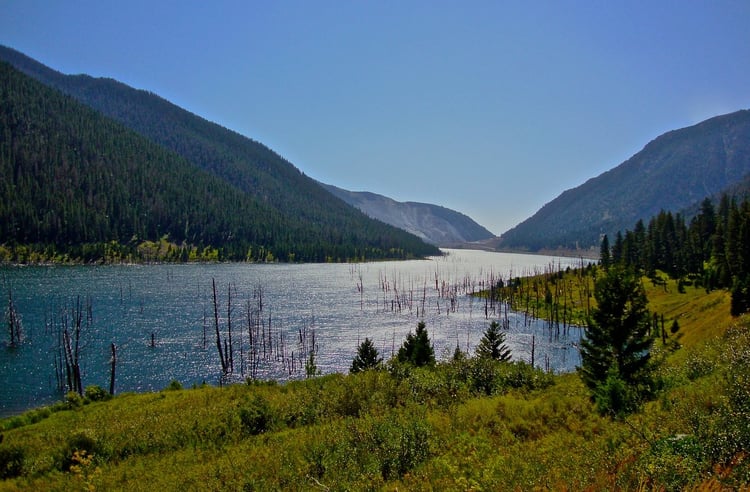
(366, 358)
(417, 349)
(492, 345)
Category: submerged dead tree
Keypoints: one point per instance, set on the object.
(223, 358)
(113, 362)
(249, 329)
(70, 327)
(15, 331)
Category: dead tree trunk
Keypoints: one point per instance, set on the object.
(230, 354)
(222, 359)
(14, 321)
(112, 371)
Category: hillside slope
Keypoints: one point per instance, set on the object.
(435, 224)
(672, 172)
(313, 224)
(77, 183)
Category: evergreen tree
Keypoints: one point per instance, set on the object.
(616, 258)
(615, 353)
(639, 248)
(417, 349)
(366, 358)
(492, 345)
(604, 258)
(740, 297)
(458, 354)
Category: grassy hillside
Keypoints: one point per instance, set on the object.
(462, 425)
(567, 298)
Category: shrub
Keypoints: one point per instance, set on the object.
(96, 393)
(520, 375)
(77, 443)
(673, 463)
(257, 417)
(698, 365)
(174, 386)
(11, 461)
(394, 444)
(614, 397)
(438, 386)
(73, 400)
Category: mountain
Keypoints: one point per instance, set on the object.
(302, 221)
(77, 183)
(672, 172)
(435, 224)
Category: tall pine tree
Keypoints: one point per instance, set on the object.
(616, 351)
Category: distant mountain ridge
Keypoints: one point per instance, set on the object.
(435, 224)
(672, 172)
(296, 218)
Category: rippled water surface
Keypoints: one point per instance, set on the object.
(341, 303)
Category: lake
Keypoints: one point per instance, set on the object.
(161, 318)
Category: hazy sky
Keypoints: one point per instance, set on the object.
(490, 108)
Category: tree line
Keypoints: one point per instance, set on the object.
(710, 250)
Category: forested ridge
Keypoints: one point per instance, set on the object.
(711, 250)
(79, 186)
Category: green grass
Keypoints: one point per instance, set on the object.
(460, 426)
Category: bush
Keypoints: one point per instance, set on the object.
(73, 400)
(77, 443)
(484, 376)
(394, 444)
(613, 397)
(96, 393)
(698, 365)
(11, 461)
(520, 375)
(257, 417)
(436, 386)
(174, 386)
(673, 463)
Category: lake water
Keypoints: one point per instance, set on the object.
(340, 303)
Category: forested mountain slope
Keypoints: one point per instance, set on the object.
(302, 222)
(74, 181)
(435, 224)
(673, 172)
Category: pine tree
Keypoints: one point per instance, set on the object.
(417, 349)
(615, 352)
(616, 253)
(604, 258)
(492, 345)
(366, 358)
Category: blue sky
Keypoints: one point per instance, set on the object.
(490, 108)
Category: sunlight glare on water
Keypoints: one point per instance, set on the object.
(340, 303)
